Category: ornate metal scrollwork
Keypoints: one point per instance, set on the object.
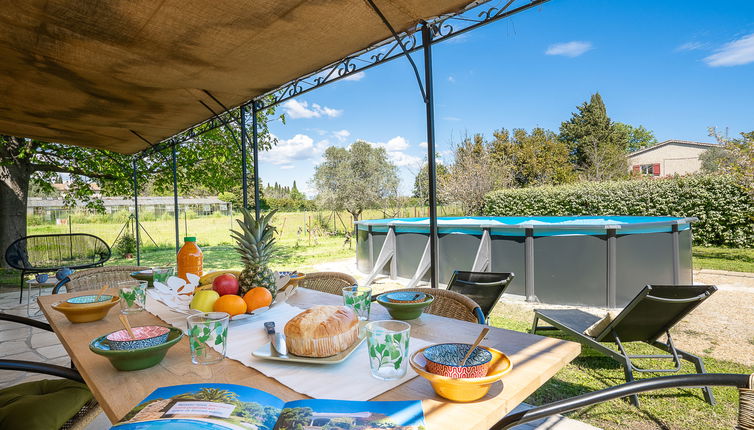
(443, 27)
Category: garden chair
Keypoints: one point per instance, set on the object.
(94, 279)
(49, 403)
(652, 313)
(485, 288)
(745, 384)
(47, 253)
(328, 282)
(449, 304)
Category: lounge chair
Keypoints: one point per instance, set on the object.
(485, 288)
(652, 313)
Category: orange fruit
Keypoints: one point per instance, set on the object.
(257, 297)
(230, 303)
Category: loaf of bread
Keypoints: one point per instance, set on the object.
(322, 331)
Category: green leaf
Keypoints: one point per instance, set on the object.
(397, 363)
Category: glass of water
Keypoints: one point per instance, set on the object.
(208, 336)
(388, 348)
(133, 296)
(359, 299)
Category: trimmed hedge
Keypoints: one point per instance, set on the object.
(724, 209)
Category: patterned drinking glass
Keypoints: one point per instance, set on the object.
(359, 299)
(161, 274)
(208, 336)
(388, 348)
(133, 296)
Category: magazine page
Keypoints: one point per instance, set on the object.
(204, 406)
(320, 414)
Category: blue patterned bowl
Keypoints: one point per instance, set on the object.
(145, 337)
(89, 299)
(445, 358)
(63, 273)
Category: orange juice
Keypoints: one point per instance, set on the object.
(189, 259)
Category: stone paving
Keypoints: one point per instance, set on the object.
(18, 342)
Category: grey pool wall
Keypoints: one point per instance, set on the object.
(605, 267)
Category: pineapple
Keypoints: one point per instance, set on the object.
(256, 244)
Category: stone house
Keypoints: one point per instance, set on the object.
(671, 157)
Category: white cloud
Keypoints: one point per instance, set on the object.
(299, 147)
(287, 166)
(451, 79)
(402, 159)
(296, 110)
(735, 53)
(398, 143)
(355, 76)
(341, 135)
(569, 49)
(691, 46)
(423, 144)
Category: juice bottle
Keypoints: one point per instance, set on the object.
(189, 259)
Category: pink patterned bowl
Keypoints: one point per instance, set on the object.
(444, 359)
(146, 336)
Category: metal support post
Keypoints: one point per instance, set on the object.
(136, 213)
(255, 146)
(175, 198)
(612, 268)
(676, 256)
(429, 103)
(244, 173)
(529, 266)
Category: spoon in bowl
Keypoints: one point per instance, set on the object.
(476, 343)
(127, 325)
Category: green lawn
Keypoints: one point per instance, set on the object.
(733, 259)
(667, 409)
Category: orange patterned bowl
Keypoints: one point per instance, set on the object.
(463, 389)
(88, 312)
(444, 359)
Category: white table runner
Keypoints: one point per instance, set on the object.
(350, 380)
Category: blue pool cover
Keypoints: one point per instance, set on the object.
(541, 225)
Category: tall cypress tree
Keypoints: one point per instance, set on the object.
(597, 145)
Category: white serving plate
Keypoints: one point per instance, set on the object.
(265, 351)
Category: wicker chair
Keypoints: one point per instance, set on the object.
(451, 305)
(94, 279)
(328, 282)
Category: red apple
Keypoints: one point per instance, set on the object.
(225, 284)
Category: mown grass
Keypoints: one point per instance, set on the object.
(733, 259)
(666, 409)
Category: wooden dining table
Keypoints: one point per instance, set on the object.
(535, 360)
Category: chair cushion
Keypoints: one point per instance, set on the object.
(596, 329)
(42, 405)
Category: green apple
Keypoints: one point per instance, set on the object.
(204, 300)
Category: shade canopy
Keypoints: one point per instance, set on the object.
(104, 74)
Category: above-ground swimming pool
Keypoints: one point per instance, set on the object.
(580, 260)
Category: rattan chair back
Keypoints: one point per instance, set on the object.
(451, 305)
(328, 282)
(94, 279)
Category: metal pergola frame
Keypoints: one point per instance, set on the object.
(403, 44)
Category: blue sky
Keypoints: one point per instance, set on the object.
(676, 67)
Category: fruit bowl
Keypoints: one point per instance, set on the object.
(135, 359)
(463, 389)
(402, 306)
(83, 313)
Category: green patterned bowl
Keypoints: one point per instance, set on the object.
(135, 359)
(405, 310)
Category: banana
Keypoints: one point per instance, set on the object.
(209, 277)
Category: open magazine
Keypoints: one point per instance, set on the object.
(236, 407)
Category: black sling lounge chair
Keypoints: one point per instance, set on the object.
(485, 288)
(652, 313)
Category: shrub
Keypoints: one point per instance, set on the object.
(725, 211)
(126, 245)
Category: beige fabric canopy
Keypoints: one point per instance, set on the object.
(89, 72)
